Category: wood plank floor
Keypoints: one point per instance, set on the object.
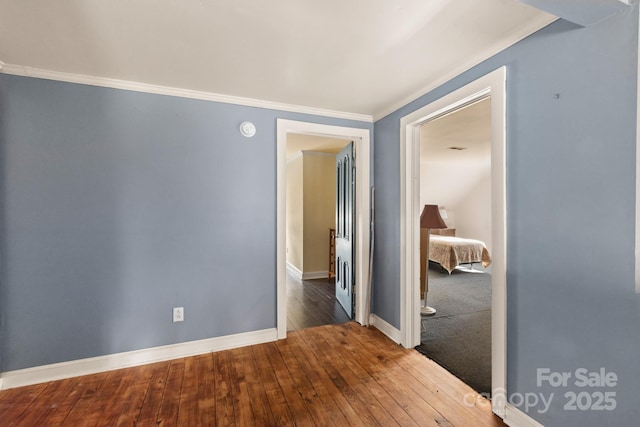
(312, 303)
(342, 375)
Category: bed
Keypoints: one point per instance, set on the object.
(449, 251)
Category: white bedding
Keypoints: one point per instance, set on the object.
(451, 251)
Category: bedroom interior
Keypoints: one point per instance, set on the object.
(455, 170)
(310, 219)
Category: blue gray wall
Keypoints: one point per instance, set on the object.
(570, 207)
(118, 206)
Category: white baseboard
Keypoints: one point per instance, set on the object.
(315, 275)
(306, 276)
(294, 270)
(385, 328)
(93, 365)
(514, 417)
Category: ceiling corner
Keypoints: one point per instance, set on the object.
(587, 13)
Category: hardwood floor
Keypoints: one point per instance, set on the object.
(312, 303)
(342, 375)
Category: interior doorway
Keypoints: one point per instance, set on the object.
(314, 214)
(455, 176)
(493, 85)
(361, 140)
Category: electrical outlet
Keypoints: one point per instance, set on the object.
(178, 314)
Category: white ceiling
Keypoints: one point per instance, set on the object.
(447, 176)
(359, 56)
(468, 129)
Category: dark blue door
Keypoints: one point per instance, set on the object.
(345, 189)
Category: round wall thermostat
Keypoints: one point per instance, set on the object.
(247, 129)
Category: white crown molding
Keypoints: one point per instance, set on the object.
(481, 56)
(93, 365)
(19, 70)
(535, 25)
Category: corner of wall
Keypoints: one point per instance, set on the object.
(588, 14)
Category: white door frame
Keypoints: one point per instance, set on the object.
(362, 143)
(637, 242)
(493, 84)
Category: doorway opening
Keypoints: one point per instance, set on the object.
(311, 217)
(492, 85)
(361, 142)
(455, 175)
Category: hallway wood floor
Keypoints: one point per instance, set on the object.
(343, 375)
(312, 303)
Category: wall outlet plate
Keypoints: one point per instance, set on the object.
(178, 314)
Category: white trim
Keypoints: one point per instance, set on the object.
(298, 274)
(534, 25)
(514, 417)
(93, 365)
(494, 84)
(295, 271)
(315, 275)
(638, 168)
(362, 141)
(295, 156)
(386, 328)
(18, 70)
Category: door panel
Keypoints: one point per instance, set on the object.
(345, 197)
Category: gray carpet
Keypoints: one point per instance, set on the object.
(458, 337)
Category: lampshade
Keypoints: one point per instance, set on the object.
(430, 217)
